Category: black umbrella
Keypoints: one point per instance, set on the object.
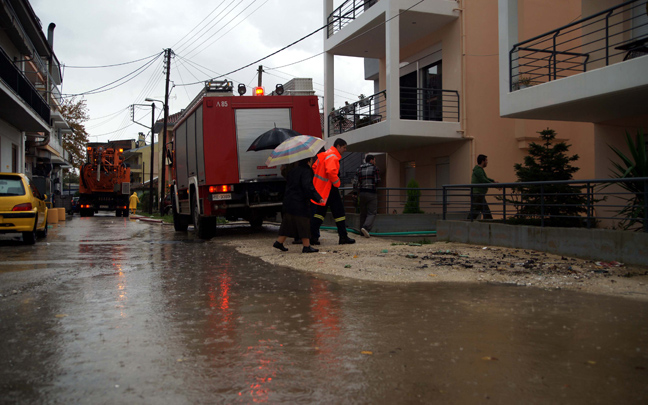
(272, 138)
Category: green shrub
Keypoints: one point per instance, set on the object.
(413, 198)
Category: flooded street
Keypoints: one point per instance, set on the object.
(110, 311)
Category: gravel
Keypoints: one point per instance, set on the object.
(389, 260)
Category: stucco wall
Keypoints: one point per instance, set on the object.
(596, 244)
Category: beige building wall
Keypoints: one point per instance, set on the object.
(472, 67)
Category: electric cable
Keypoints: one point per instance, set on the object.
(107, 66)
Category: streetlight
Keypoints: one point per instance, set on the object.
(161, 175)
(152, 154)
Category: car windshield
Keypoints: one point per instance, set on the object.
(11, 186)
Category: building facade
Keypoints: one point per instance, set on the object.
(31, 125)
(441, 98)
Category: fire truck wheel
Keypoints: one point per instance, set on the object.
(205, 227)
(118, 212)
(180, 222)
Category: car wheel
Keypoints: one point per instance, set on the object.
(43, 233)
(29, 238)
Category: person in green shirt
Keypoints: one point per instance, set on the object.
(478, 202)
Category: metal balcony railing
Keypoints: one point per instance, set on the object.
(593, 203)
(608, 37)
(429, 104)
(15, 79)
(367, 111)
(347, 12)
(415, 104)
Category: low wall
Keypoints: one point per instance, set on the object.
(594, 244)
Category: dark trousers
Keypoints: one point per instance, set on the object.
(368, 203)
(337, 208)
(479, 205)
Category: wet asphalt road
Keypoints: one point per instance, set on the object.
(113, 311)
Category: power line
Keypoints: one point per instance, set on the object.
(107, 66)
(266, 57)
(196, 26)
(228, 31)
(103, 88)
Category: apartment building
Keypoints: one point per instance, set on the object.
(31, 125)
(443, 92)
(591, 68)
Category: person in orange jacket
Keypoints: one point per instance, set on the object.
(326, 181)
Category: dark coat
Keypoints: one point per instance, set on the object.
(299, 191)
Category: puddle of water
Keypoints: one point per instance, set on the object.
(195, 322)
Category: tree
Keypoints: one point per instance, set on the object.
(76, 114)
(555, 203)
(633, 166)
(413, 198)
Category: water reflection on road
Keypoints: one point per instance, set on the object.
(153, 316)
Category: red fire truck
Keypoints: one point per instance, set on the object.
(212, 173)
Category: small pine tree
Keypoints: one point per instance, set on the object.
(549, 161)
(413, 198)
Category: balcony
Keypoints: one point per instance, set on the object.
(426, 116)
(592, 70)
(20, 103)
(357, 27)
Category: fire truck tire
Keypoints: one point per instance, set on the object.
(118, 212)
(180, 222)
(205, 227)
(125, 213)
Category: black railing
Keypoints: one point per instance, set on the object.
(367, 111)
(593, 203)
(347, 12)
(416, 104)
(608, 37)
(603, 203)
(429, 104)
(15, 79)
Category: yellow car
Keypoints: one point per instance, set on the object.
(22, 207)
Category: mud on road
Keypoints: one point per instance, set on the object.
(390, 260)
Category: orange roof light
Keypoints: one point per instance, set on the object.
(121, 150)
(258, 91)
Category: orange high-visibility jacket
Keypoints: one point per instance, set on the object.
(326, 168)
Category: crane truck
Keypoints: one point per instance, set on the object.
(104, 181)
(212, 172)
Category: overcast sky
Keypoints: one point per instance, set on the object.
(209, 38)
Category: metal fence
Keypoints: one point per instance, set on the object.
(415, 104)
(608, 37)
(604, 203)
(368, 111)
(346, 13)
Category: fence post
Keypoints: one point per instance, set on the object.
(504, 203)
(445, 202)
(590, 208)
(470, 210)
(607, 38)
(645, 205)
(542, 216)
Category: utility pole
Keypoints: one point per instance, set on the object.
(164, 131)
(152, 158)
(260, 73)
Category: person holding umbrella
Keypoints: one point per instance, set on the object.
(295, 218)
